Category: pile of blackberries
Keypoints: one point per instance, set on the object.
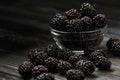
(43, 62)
(85, 19)
(51, 59)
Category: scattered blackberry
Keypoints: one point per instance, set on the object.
(63, 67)
(33, 53)
(113, 45)
(88, 10)
(75, 75)
(102, 63)
(45, 76)
(58, 22)
(74, 25)
(72, 14)
(87, 23)
(99, 20)
(37, 70)
(86, 66)
(51, 63)
(25, 69)
(96, 53)
(65, 54)
(39, 60)
(75, 58)
(52, 50)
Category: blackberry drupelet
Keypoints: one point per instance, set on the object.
(74, 25)
(45, 76)
(86, 66)
(113, 45)
(39, 60)
(58, 22)
(51, 63)
(63, 67)
(73, 14)
(102, 63)
(64, 54)
(87, 23)
(33, 53)
(97, 53)
(87, 10)
(75, 75)
(25, 69)
(37, 70)
(75, 58)
(52, 50)
(99, 20)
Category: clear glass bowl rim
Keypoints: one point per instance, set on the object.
(92, 31)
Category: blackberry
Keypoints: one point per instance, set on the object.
(75, 58)
(96, 53)
(87, 23)
(75, 75)
(72, 14)
(33, 53)
(102, 63)
(113, 45)
(51, 63)
(45, 76)
(25, 69)
(99, 20)
(37, 70)
(64, 54)
(39, 60)
(88, 10)
(74, 25)
(58, 22)
(86, 66)
(52, 50)
(63, 67)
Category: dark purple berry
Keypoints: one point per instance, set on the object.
(51, 63)
(97, 53)
(75, 75)
(63, 67)
(58, 22)
(25, 69)
(86, 66)
(45, 76)
(72, 14)
(64, 54)
(37, 70)
(87, 23)
(52, 50)
(113, 45)
(88, 10)
(33, 53)
(74, 25)
(102, 63)
(99, 20)
(75, 58)
(39, 60)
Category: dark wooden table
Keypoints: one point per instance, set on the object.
(25, 24)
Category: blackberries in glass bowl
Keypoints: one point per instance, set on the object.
(79, 29)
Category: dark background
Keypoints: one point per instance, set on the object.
(24, 24)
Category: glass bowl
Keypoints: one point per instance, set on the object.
(79, 41)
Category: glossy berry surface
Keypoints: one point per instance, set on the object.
(86, 66)
(37, 70)
(75, 75)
